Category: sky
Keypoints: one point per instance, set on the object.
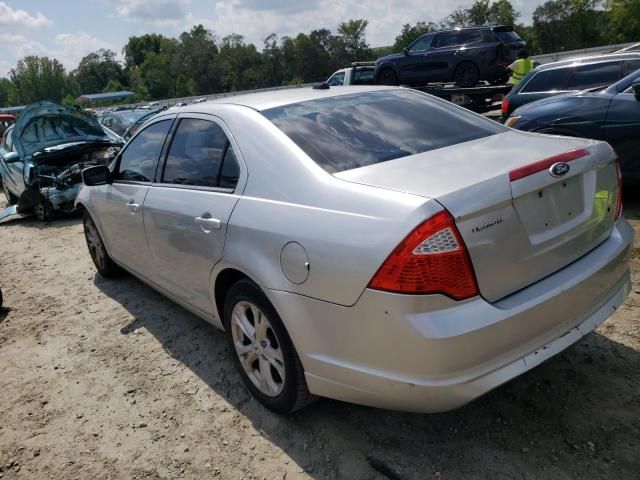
(69, 29)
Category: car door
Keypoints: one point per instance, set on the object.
(119, 206)
(414, 65)
(187, 212)
(622, 131)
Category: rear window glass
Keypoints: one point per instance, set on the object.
(508, 36)
(548, 80)
(595, 75)
(351, 131)
(364, 77)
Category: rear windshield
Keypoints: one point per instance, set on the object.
(508, 36)
(350, 131)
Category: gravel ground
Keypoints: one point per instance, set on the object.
(109, 380)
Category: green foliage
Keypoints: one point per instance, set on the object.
(624, 20)
(197, 62)
(484, 12)
(38, 78)
(96, 70)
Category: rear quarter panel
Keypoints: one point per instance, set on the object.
(347, 230)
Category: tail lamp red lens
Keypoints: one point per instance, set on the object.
(505, 106)
(431, 259)
(619, 200)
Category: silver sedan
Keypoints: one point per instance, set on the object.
(370, 244)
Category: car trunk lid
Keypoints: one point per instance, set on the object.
(519, 223)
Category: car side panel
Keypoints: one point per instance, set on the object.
(623, 132)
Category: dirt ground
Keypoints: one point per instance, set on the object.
(109, 380)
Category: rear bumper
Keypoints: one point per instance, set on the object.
(430, 353)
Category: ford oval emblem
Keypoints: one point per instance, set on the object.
(559, 169)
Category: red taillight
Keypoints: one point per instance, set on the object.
(505, 106)
(619, 201)
(431, 259)
(536, 167)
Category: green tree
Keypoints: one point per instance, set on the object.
(560, 25)
(96, 70)
(624, 20)
(6, 92)
(38, 78)
(198, 54)
(484, 12)
(351, 43)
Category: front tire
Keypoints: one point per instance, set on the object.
(106, 267)
(262, 350)
(466, 75)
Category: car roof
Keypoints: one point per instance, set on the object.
(278, 98)
(588, 60)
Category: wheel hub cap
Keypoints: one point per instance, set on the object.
(258, 348)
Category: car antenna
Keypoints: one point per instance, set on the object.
(321, 86)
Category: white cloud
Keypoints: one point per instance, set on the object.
(9, 16)
(156, 12)
(71, 47)
(67, 48)
(255, 19)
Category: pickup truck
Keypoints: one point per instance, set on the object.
(359, 73)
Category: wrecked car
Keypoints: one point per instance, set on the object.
(44, 153)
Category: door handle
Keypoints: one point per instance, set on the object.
(133, 207)
(208, 223)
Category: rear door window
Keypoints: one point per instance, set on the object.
(198, 154)
(350, 131)
(594, 75)
(466, 37)
(449, 39)
(139, 159)
(548, 80)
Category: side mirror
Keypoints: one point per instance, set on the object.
(11, 157)
(406, 51)
(636, 89)
(94, 176)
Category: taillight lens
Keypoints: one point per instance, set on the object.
(619, 201)
(431, 259)
(505, 106)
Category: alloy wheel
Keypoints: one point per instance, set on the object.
(258, 348)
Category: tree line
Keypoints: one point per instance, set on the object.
(197, 62)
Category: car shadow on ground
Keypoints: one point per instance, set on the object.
(576, 413)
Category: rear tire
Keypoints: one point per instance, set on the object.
(262, 350)
(11, 198)
(106, 267)
(387, 76)
(466, 75)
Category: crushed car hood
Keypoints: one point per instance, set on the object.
(45, 125)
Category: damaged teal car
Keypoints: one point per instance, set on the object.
(43, 155)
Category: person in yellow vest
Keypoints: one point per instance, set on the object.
(520, 67)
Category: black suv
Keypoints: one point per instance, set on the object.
(464, 56)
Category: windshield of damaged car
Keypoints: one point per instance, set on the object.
(350, 131)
